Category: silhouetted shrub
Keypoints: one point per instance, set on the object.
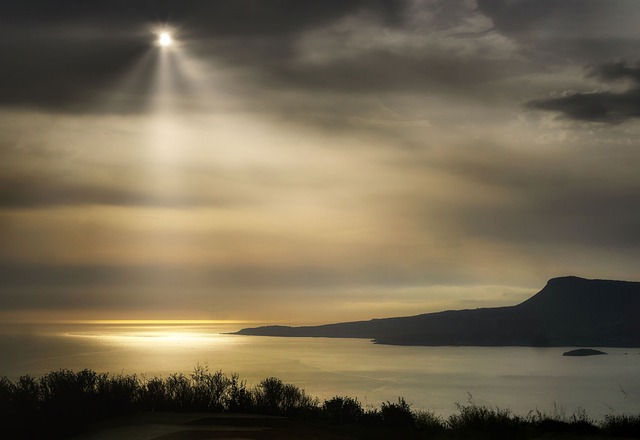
(200, 391)
(210, 390)
(298, 403)
(179, 393)
(26, 392)
(68, 399)
(154, 395)
(428, 421)
(8, 410)
(269, 395)
(371, 417)
(621, 426)
(558, 423)
(26, 402)
(240, 399)
(60, 403)
(118, 394)
(494, 422)
(397, 415)
(6, 395)
(342, 410)
(272, 396)
(581, 423)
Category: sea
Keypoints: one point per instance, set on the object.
(521, 379)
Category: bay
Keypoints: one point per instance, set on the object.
(522, 379)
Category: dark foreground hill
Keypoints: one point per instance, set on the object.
(569, 311)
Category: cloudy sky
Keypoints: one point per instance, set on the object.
(313, 161)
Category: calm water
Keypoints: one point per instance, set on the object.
(521, 379)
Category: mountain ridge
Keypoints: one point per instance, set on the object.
(568, 311)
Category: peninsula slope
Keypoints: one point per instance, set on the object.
(568, 311)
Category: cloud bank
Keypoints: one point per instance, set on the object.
(339, 158)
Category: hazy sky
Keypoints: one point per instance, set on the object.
(313, 161)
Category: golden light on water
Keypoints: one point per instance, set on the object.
(159, 338)
(156, 333)
(155, 321)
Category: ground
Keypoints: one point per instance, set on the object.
(207, 426)
(201, 426)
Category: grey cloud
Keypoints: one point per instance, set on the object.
(65, 55)
(363, 56)
(594, 107)
(585, 217)
(604, 106)
(247, 17)
(47, 285)
(578, 30)
(65, 73)
(221, 17)
(524, 198)
(615, 71)
(46, 191)
(89, 46)
(387, 71)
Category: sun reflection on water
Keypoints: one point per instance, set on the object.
(149, 334)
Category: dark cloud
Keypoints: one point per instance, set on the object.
(524, 17)
(221, 17)
(42, 191)
(65, 72)
(605, 106)
(611, 72)
(594, 107)
(66, 55)
(578, 30)
(424, 47)
(69, 57)
(279, 17)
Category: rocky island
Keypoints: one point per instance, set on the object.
(583, 352)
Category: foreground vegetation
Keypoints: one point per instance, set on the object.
(62, 403)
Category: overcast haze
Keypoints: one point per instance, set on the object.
(313, 161)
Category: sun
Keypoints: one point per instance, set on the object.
(164, 39)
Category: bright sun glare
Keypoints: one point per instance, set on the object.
(155, 335)
(165, 39)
